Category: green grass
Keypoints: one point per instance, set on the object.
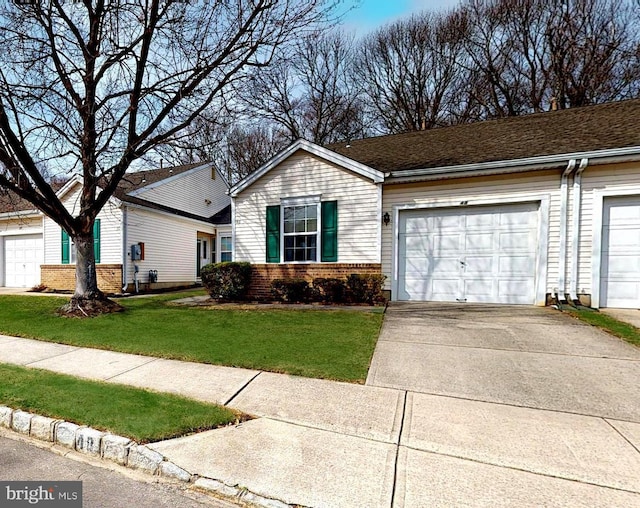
(138, 414)
(607, 323)
(333, 344)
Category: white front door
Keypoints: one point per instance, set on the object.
(23, 256)
(474, 254)
(620, 268)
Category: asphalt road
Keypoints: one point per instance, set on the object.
(102, 487)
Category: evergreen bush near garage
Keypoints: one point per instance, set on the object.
(331, 290)
(366, 287)
(291, 290)
(228, 280)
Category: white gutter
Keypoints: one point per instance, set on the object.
(124, 249)
(575, 242)
(517, 165)
(562, 254)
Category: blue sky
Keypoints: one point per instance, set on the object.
(371, 14)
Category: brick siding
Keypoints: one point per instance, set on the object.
(63, 277)
(263, 274)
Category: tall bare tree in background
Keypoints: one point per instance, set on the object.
(311, 94)
(88, 87)
(410, 73)
(532, 55)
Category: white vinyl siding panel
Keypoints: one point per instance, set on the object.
(608, 180)
(110, 232)
(193, 191)
(473, 191)
(170, 245)
(305, 175)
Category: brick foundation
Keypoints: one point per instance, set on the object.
(263, 274)
(63, 277)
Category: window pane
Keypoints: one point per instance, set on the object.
(288, 255)
(300, 226)
(288, 213)
(312, 225)
(299, 212)
(312, 211)
(225, 243)
(225, 256)
(288, 227)
(289, 242)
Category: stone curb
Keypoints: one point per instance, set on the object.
(122, 451)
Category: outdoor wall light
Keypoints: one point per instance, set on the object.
(386, 218)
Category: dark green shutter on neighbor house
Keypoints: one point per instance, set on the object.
(65, 247)
(273, 234)
(96, 240)
(329, 233)
(66, 244)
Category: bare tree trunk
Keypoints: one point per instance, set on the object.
(88, 300)
(86, 278)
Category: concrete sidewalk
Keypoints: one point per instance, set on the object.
(324, 444)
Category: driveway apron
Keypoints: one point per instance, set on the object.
(523, 356)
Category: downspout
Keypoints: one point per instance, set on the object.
(124, 249)
(562, 255)
(575, 245)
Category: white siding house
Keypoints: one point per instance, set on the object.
(523, 210)
(309, 179)
(178, 218)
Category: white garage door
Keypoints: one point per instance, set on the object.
(620, 266)
(23, 256)
(477, 254)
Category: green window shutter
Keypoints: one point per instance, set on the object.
(65, 247)
(96, 240)
(273, 234)
(329, 214)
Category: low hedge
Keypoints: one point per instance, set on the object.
(356, 288)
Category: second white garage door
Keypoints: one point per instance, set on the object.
(471, 254)
(23, 256)
(620, 268)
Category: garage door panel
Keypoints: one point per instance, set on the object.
(620, 258)
(481, 287)
(515, 265)
(479, 242)
(472, 250)
(443, 244)
(515, 241)
(478, 264)
(479, 220)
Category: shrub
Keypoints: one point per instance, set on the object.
(330, 290)
(290, 290)
(226, 281)
(366, 287)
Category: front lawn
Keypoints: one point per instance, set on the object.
(137, 414)
(331, 344)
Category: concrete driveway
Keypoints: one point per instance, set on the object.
(523, 356)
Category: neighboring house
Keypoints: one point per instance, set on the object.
(178, 219)
(517, 210)
(21, 247)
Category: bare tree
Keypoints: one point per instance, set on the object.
(532, 55)
(410, 72)
(90, 86)
(310, 94)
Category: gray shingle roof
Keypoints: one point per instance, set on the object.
(605, 126)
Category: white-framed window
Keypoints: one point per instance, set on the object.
(301, 229)
(226, 248)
